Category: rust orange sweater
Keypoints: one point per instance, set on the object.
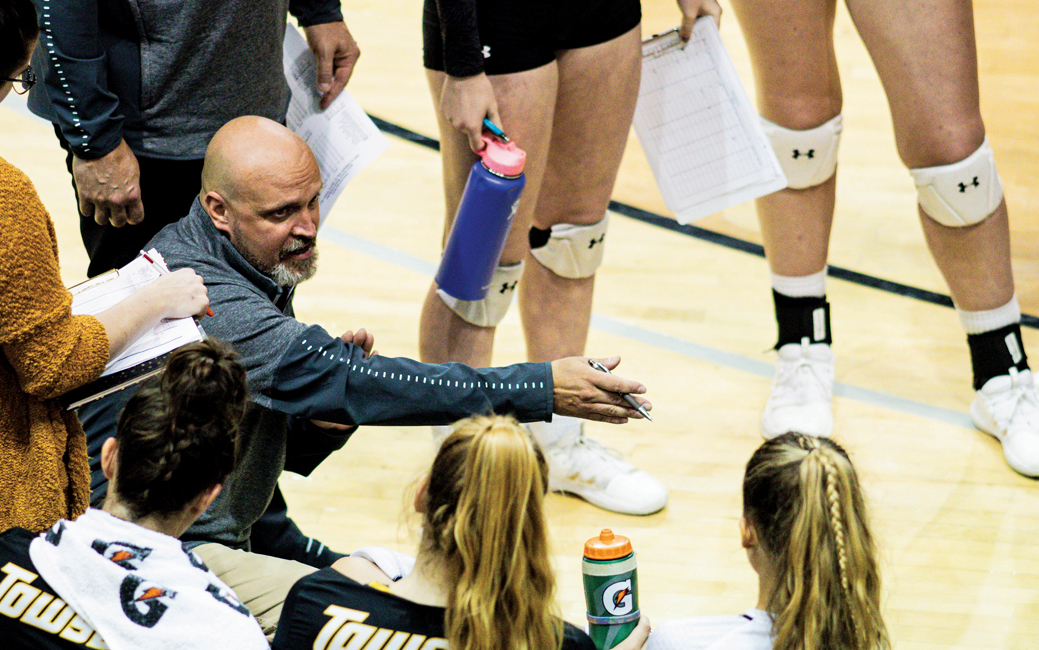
(46, 351)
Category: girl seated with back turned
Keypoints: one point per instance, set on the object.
(806, 534)
(482, 579)
(120, 574)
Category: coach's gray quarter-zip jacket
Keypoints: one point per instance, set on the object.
(299, 372)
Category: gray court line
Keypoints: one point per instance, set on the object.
(665, 341)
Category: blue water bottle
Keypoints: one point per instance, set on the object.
(482, 224)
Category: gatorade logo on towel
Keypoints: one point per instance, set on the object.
(143, 602)
(124, 554)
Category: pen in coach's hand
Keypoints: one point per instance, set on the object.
(627, 398)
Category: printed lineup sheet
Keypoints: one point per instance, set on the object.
(697, 127)
(343, 138)
(99, 293)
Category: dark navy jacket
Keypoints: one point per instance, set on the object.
(162, 75)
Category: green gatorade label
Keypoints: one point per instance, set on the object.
(611, 595)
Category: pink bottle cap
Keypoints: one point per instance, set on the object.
(503, 158)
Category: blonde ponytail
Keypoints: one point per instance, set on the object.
(803, 497)
(485, 520)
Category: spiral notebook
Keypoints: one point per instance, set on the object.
(698, 128)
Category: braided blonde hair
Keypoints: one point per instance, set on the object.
(803, 498)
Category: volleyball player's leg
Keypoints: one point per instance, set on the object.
(799, 97)
(464, 332)
(927, 61)
(598, 88)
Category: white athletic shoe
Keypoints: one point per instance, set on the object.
(581, 466)
(1007, 407)
(802, 392)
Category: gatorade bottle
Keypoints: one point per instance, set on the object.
(611, 588)
(482, 224)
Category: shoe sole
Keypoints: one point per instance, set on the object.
(606, 503)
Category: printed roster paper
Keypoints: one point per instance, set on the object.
(145, 356)
(698, 129)
(343, 138)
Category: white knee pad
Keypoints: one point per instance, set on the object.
(808, 157)
(489, 311)
(963, 193)
(571, 251)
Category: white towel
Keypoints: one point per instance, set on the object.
(393, 563)
(751, 631)
(140, 588)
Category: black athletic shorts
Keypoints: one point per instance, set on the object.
(518, 35)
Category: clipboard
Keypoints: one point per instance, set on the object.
(145, 356)
(700, 133)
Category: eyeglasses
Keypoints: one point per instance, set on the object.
(24, 82)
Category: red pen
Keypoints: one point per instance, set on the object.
(162, 271)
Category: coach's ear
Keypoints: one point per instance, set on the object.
(421, 492)
(217, 209)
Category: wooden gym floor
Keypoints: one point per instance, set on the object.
(957, 528)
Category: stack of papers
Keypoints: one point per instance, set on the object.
(698, 129)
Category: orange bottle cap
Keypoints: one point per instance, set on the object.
(607, 546)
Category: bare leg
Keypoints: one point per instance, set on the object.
(795, 68)
(572, 118)
(525, 101)
(598, 88)
(795, 71)
(925, 56)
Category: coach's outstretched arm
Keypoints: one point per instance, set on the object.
(581, 391)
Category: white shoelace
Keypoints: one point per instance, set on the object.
(1021, 396)
(801, 380)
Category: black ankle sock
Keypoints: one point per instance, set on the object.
(994, 353)
(800, 318)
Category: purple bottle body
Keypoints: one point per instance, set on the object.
(479, 232)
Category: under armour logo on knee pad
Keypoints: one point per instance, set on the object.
(597, 240)
(506, 286)
(809, 154)
(964, 186)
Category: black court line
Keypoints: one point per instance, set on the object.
(727, 241)
(406, 134)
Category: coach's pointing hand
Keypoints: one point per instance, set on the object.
(581, 391)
